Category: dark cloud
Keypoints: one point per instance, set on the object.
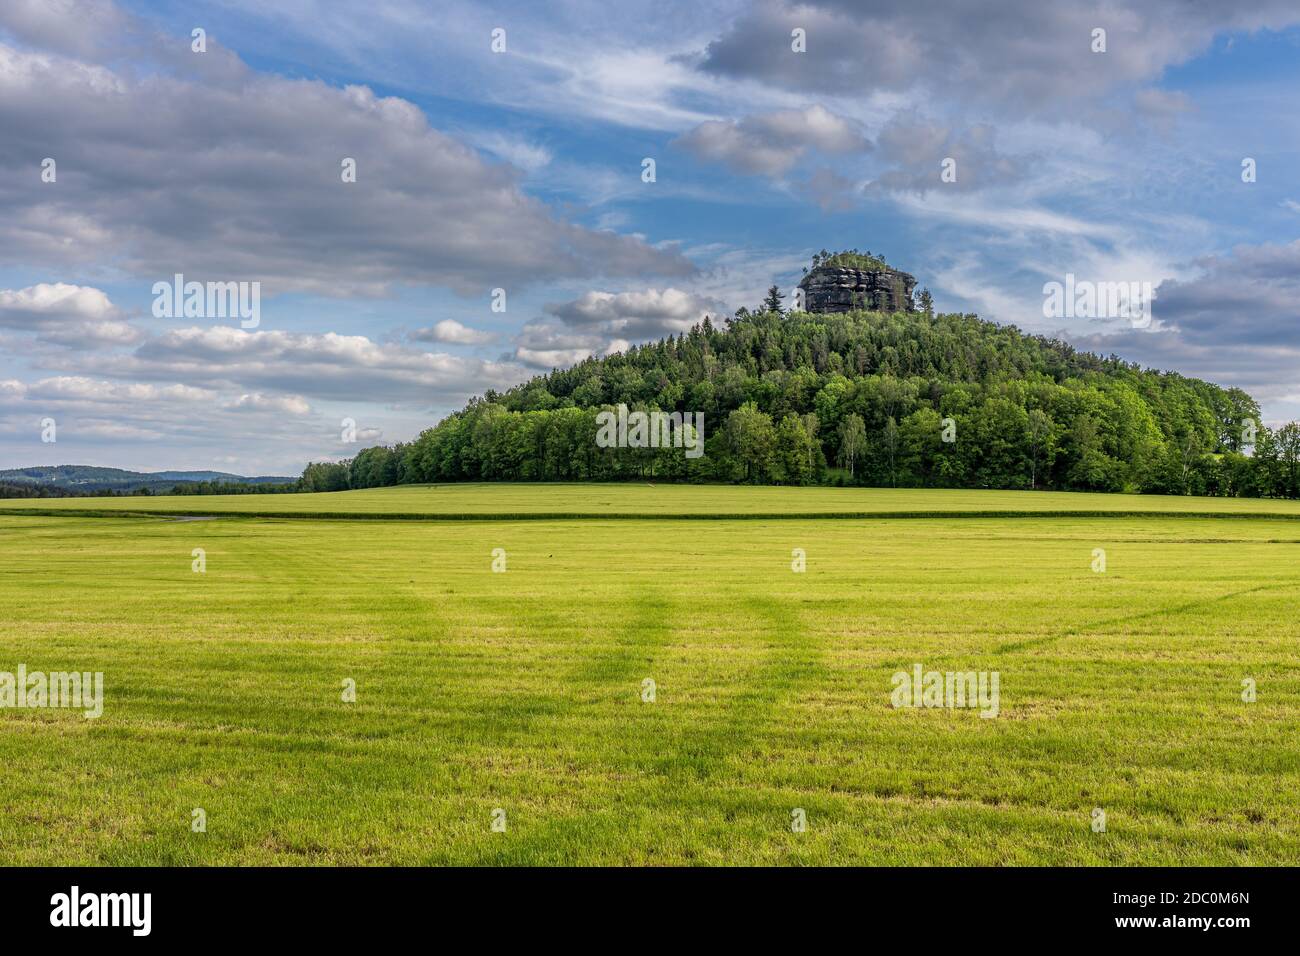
(1251, 297)
(1271, 374)
(237, 176)
(1235, 324)
(1027, 53)
(651, 313)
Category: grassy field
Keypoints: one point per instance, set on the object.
(522, 690)
(668, 501)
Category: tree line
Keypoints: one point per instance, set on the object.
(34, 490)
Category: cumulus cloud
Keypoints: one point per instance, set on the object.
(71, 315)
(231, 174)
(771, 144)
(85, 408)
(287, 404)
(56, 300)
(545, 345)
(451, 332)
(600, 323)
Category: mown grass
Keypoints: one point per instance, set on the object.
(522, 690)
(664, 500)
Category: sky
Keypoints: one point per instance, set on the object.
(502, 220)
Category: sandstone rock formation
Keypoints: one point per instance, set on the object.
(835, 289)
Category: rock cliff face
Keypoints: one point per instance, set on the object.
(832, 289)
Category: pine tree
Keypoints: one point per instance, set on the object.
(773, 301)
(927, 303)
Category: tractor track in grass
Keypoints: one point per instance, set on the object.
(1078, 629)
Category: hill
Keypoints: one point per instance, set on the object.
(89, 478)
(906, 399)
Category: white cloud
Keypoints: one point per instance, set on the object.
(451, 332)
(520, 152)
(327, 366)
(551, 358)
(59, 300)
(544, 345)
(288, 404)
(71, 315)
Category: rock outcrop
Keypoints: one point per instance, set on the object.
(835, 289)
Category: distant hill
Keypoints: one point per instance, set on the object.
(83, 478)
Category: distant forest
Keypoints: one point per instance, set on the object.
(903, 400)
(10, 489)
(81, 481)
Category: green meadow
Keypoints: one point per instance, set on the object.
(661, 500)
(523, 690)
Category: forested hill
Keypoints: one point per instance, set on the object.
(907, 399)
(57, 480)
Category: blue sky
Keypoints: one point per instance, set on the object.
(522, 170)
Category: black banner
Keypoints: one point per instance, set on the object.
(334, 906)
